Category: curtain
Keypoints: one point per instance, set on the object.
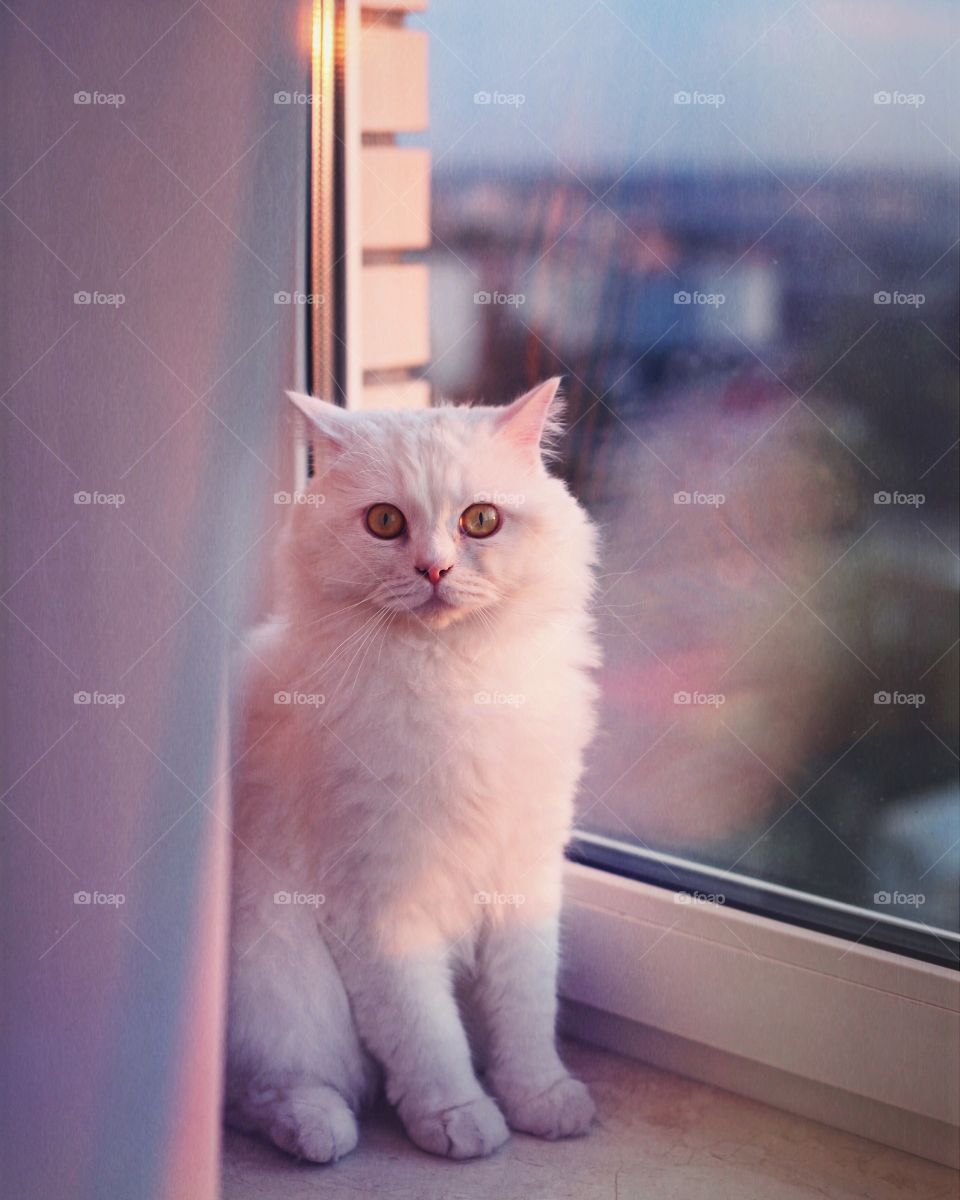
(154, 186)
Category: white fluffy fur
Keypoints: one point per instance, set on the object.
(423, 802)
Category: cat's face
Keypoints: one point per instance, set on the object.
(439, 514)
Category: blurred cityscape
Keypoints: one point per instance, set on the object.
(786, 345)
(590, 286)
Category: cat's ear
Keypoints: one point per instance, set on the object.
(533, 419)
(330, 420)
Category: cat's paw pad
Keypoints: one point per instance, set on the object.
(470, 1130)
(313, 1123)
(563, 1110)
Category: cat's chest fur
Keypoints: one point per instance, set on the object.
(437, 716)
(461, 757)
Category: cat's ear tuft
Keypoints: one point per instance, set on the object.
(330, 420)
(534, 420)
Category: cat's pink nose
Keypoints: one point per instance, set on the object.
(434, 572)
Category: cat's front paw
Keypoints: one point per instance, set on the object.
(313, 1123)
(562, 1110)
(471, 1130)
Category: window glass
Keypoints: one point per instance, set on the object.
(732, 228)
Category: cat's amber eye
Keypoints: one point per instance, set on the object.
(480, 520)
(385, 521)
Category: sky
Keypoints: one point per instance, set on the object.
(592, 83)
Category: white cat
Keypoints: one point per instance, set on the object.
(412, 732)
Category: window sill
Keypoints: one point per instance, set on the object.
(825, 1027)
(656, 1135)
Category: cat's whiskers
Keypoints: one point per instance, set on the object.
(483, 619)
(329, 616)
(341, 649)
(479, 592)
(370, 632)
(383, 638)
(379, 631)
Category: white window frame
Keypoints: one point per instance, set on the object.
(861, 1038)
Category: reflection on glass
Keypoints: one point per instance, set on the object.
(735, 236)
